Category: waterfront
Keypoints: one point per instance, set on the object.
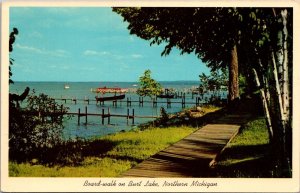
(94, 128)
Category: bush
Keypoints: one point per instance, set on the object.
(35, 128)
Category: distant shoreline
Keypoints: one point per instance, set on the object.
(164, 81)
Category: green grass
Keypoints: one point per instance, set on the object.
(121, 152)
(253, 133)
(247, 155)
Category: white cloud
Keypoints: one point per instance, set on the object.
(35, 34)
(65, 67)
(88, 68)
(136, 56)
(90, 53)
(131, 39)
(61, 53)
(95, 53)
(30, 49)
(69, 11)
(57, 53)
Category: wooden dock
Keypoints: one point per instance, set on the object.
(193, 155)
(128, 102)
(108, 115)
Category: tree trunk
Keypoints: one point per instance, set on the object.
(282, 89)
(265, 105)
(233, 75)
(280, 97)
(285, 76)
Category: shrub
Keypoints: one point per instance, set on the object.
(34, 128)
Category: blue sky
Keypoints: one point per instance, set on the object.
(89, 44)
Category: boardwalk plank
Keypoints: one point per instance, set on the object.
(191, 156)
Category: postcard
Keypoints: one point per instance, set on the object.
(148, 96)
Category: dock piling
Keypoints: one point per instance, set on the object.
(78, 121)
(128, 102)
(168, 103)
(141, 101)
(127, 116)
(86, 115)
(132, 116)
(108, 116)
(102, 116)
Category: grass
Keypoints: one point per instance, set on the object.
(110, 156)
(122, 151)
(247, 155)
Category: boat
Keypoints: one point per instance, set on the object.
(66, 86)
(104, 90)
(118, 94)
(167, 94)
(110, 98)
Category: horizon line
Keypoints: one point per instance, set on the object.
(101, 81)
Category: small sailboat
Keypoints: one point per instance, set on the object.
(66, 86)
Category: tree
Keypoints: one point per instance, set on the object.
(211, 33)
(35, 127)
(148, 86)
(12, 38)
(214, 82)
(272, 64)
(215, 35)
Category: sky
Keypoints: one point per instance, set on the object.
(89, 44)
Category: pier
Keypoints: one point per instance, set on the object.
(107, 115)
(140, 102)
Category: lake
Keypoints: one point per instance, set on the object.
(94, 128)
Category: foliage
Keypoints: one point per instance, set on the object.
(269, 51)
(259, 37)
(35, 128)
(148, 86)
(12, 39)
(215, 81)
(207, 32)
(210, 33)
(164, 117)
(242, 84)
(194, 116)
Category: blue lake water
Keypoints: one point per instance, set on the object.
(94, 128)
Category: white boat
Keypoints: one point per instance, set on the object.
(67, 86)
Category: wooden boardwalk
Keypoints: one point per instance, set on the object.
(191, 156)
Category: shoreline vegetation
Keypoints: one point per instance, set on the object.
(111, 155)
